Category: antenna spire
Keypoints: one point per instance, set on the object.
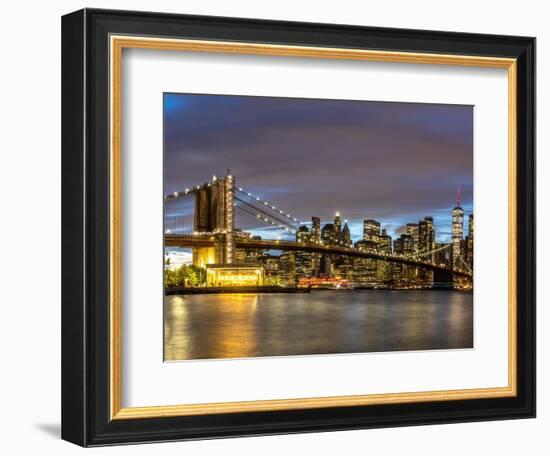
(458, 196)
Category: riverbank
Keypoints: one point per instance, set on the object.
(174, 291)
(216, 290)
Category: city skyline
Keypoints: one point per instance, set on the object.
(305, 226)
(411, 156)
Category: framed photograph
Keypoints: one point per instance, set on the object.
(268, 227)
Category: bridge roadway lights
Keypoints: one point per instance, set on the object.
(264, 244)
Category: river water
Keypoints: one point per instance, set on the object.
(319, 322)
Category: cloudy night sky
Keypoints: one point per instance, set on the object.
(393, 162)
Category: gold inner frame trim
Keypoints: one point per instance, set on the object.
(117, 44)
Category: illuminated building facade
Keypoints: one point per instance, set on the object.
(343, 264)
(204, 255)
(304, 261)
(315, 238)
(315, 229)
(457, 230)
(412, 229)
(337, 225)
(426, 237)
(324, 282)
(345, 236)
(397, 269)
(365, 269)
(426, 244)
(327, 238)
(401, 273)
(371, 230)
(272, 269)
(384, 267)
(384, 243)
(234, 275)
(287, 269)
(327, 234)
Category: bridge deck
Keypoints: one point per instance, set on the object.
(267, 244)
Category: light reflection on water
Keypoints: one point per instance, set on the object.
(320, 322)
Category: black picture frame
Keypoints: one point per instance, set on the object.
(85, 224)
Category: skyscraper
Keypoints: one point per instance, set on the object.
(327, 238)
(337, 225)
(457, 229)
(327, 234)
(426, 244)
(303, 260)
(371, 230)
(315, 237)
(364, 270)
(426, 237)
(345, 236)
(344, 264)
(403, 274)
(315, 229)
(302, 235)
(412, 230)
(384, 245)
(384, 267)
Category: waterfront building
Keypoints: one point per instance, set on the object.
(344, 268)
(324, 282)
(287, 269)
(234, 275)
(272, 267)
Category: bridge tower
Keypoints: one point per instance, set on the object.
(214, 214)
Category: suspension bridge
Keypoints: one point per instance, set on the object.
(210, 210)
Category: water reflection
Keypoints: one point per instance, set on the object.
(320, 322)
